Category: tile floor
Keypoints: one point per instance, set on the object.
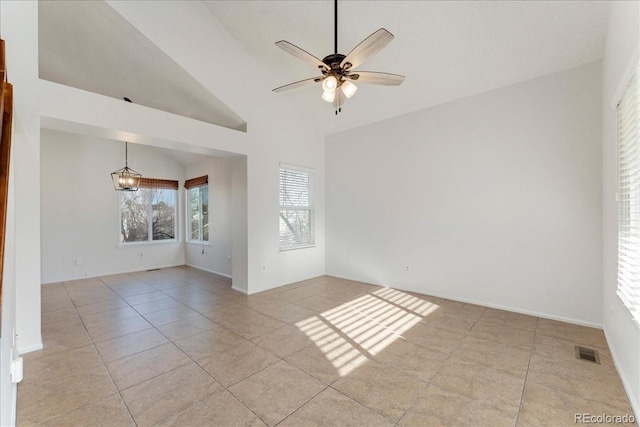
(179, 347)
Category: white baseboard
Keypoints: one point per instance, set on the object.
(228, 276)
(153, 267)
(138, 270)
(29, 349)
(242, 291)
(485, 304)
(625, 383)
(14, 404)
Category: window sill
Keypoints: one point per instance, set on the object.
(198, 242)
(154, 243)
(296, 248)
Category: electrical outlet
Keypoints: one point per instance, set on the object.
(141, 254)
(264, 268)
(78, 261)
(407, 268)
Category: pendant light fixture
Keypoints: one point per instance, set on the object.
(126, 179)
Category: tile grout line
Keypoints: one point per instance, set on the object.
(100, 355)
(105, 364)
(76, 310)
(466, 334)
(262, 369)
(365, 405)
(305, 402)
(426, 383)
(222, 296)
(524, 384)
(170, 341)
(243, 404)
(93, 344)
(193, 360)
(209, 374)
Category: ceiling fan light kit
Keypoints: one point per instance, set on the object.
(348, 88)
(329, 95)
(337, 69)
(330, 83)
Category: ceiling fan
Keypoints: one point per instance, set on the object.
(338, 70)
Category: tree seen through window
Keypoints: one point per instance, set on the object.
(147, 215)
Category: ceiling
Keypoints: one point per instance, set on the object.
(89, 46)
(446, 49)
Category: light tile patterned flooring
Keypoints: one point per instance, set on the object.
(179, 347)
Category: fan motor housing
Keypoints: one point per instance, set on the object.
(334, 60)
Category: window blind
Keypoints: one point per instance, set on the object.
(629, 197)
(167, 184)
(297, 215)
(196, 182)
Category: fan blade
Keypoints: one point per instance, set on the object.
(301, 54)
(375, 78)
(297, 84)
(368, 47)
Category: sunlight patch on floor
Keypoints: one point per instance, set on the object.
(361, 328)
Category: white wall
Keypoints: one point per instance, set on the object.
(239, 210)
(189, 33)
(215, 256)
(22, 229)
(493, 199)
(21, 37)
(621, 55)
(80, 208)
(8, 348)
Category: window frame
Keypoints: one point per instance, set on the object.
(149, 241)
(310, 207)
(627, 285)
(187, 205)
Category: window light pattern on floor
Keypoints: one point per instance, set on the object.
(357, 330)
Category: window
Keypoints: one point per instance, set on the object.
(149, 214)
(198, 208)
(629, 197)
(297, 214)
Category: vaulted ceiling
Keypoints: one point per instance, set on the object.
(446, 49)
(89, 46)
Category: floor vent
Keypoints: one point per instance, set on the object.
(587, 354)
(154, 269)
